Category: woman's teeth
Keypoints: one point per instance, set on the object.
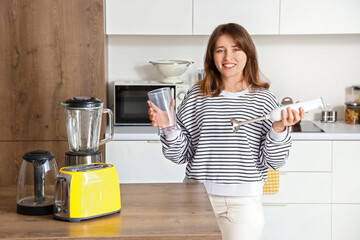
(229, 65)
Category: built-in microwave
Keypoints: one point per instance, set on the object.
(130, 107)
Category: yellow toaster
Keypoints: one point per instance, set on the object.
(86, 191)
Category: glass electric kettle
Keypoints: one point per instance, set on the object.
(36, 183)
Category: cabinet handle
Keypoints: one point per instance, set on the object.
(275, 204)
(153, 141)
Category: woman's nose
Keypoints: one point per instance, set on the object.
(228, 55)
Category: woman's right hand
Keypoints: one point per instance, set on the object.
(160, 118)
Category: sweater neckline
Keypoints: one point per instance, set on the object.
(234, 94)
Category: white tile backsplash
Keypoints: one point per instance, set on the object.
(301, 67)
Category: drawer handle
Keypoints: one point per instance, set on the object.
(153, 141)
(275, 204)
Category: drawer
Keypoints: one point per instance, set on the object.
(302, 187)
(346, 221)
(142, 162)
(311, 156)
(297, 222)
(345, 174)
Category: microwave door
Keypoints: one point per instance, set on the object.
(131, 105)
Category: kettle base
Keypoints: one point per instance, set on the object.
(85, 218)
(35, 211)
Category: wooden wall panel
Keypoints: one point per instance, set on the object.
(49, 51)
(11, 154)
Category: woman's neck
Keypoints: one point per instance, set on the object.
(235, 85)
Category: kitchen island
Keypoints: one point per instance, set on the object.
(149, 211)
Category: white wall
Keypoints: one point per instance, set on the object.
(301, 67)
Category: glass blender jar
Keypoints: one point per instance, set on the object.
(83, 124)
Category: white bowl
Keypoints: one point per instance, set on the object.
(172, 69)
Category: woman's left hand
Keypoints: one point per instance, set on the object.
(292, 118)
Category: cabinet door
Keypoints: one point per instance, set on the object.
(297, 222)
(257, 16)
(136, 17)
(346, 178)
(302, 187)
(346, 221)
(310, 156)
(320, 16)
(142, 162)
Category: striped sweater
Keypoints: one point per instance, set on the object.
(231, 164)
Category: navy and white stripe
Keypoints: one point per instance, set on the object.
(212, 151)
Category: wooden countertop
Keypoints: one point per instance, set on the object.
(149, 211)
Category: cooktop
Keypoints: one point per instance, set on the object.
(306, 126)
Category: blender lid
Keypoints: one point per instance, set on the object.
(83, 102)
(38, 155)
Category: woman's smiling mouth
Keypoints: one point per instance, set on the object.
(229, 65)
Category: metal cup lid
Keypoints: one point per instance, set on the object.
(352, 104)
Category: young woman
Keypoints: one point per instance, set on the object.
(232, 166)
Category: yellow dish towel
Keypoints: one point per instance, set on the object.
(271, 185)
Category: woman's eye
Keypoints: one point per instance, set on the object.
(219, 51)
(236, 50)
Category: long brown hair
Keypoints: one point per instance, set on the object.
(212, 85)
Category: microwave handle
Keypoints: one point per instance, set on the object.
(111, 126)
(173, 92)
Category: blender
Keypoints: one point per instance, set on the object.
(83, 124)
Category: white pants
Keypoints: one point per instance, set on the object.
(239, 218)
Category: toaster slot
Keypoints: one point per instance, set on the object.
(87, 167)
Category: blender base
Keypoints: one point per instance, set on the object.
(77, 158)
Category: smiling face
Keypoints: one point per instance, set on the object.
(229, 59)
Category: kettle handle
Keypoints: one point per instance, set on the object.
(111, 126)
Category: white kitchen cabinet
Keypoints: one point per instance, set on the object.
(309, 156)
(257, 16)
(306, 176)
(302, 207)
(149, 17)
(302, 187)
(142, 162)
(297, 222)
(345, 176)
(320, 17)
(346, 221)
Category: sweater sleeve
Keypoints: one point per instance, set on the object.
(273, 151)
(179, 149)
